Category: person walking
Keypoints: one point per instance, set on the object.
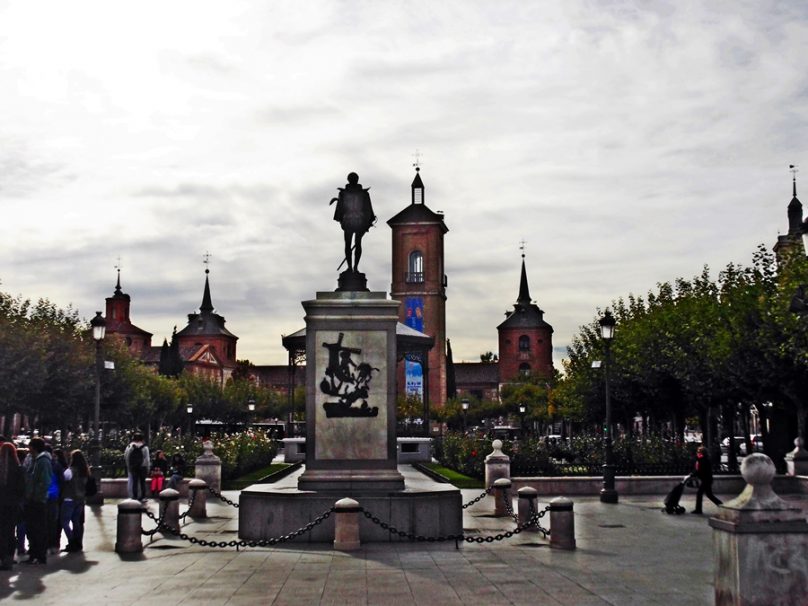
(12, 495)
(138, 464)
(704, 472)
(74, 494)
(37, 483)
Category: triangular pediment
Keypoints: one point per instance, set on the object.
(204, 355)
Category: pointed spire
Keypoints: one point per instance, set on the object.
(207, 304)
(524, 290)
(793, 168)
(795, 206)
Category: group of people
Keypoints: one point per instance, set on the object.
(160, 472)
(42, 494)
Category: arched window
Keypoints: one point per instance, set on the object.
(415, 267)
(524, 343)
(524, 370)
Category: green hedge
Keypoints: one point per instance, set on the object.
(240, 453)
(467, 455)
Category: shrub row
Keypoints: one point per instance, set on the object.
(540, 456)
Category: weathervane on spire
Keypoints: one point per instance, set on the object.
(522, 244)
(118, 268)
(206, 261)
(417, 163)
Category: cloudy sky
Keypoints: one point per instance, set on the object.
(626, 142)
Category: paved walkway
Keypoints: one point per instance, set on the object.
(629, 553)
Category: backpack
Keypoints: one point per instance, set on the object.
(136, 457)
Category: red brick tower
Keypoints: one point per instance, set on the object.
(137, 340)
(525, 339)
(206, 346)
(419, 282)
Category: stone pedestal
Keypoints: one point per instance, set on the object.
(497, 465)
(208, 467)
(759, 544)
(351, 393)
(797, 459)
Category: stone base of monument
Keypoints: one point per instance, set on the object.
(424, 508)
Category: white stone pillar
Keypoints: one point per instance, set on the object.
(562, 524)
(346, 525)
(528, 506)
(128, 538)
(209, 467)
(497, 465)
(198, 497)
(759, 544)
(502, 497)
(170, 508)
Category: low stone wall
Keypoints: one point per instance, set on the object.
(115, 488)
(648, 485)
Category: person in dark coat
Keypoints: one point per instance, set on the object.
(37, 482)
(704, 472)
(12, 495)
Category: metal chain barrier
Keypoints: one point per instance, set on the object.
(506, 497)
(484, 494)
(190, 504)
(533, 521)
(242, 543)
(219, 495)
(160, 522)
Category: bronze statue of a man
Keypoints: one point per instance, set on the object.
(355, 215)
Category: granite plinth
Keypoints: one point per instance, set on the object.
(424, 507)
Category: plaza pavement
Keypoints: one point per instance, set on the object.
(629, 553)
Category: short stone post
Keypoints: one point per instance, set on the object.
(562, 524)
(198, 498)
(129, 537)
(170, 508)
(209, 467)
(502, 497)
(528, 506)
(797, 459)
(346, 525)
(759, 544)
(497, 464)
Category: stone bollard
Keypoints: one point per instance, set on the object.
(797, 459)
(759, 544)
(170, 508)
(208, 467)
(502, 497)
(129, 538)
(527, 506)
(198, 497)
(562, 524)
(346, 525)
(497, 464)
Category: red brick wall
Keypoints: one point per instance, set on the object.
(539, 356)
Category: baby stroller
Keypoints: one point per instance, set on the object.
(672, 500)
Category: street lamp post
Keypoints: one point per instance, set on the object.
(464, 404)
(99, 326)
(190, 410)
(522, 410)
(608, 494)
